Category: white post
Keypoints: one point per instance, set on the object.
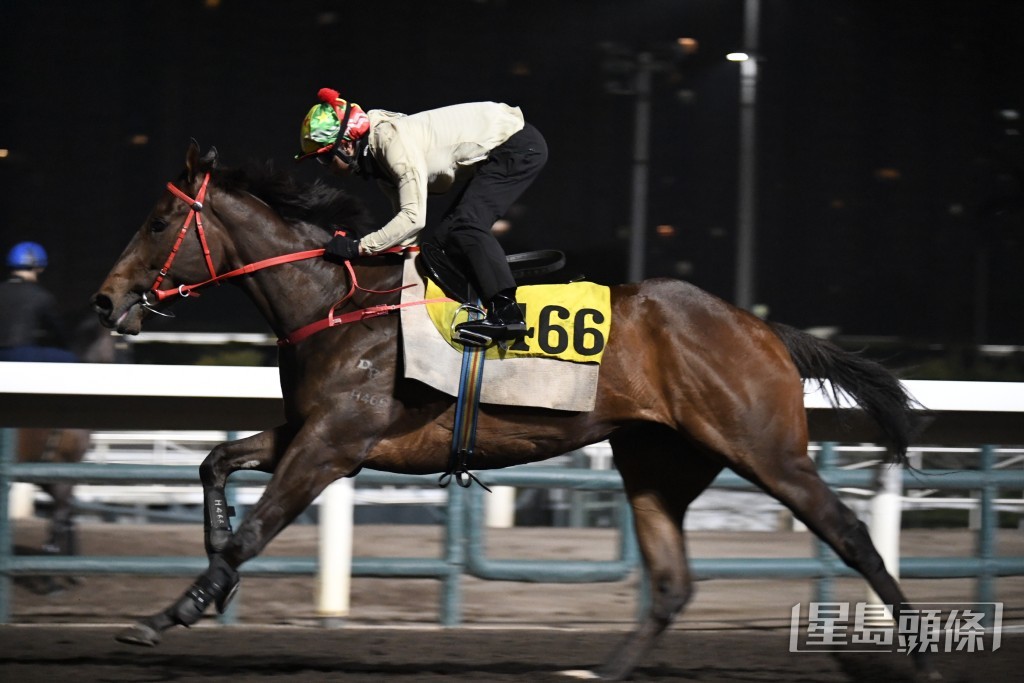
(501, 507)
(334, 577)
(21, 504)
(886, 518)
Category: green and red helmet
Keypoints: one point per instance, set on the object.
(332, 120)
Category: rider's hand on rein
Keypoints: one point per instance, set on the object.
(341, 248)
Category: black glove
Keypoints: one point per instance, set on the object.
(341, 248)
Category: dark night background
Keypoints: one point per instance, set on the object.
(889, 149)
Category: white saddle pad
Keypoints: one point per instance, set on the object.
(536, 382)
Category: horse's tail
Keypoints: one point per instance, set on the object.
(871, 386)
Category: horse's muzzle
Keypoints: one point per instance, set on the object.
(104, 308)
(125, 319)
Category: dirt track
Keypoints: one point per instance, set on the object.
(733, 631)
(250, 654)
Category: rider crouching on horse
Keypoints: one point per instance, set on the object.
(411, 156)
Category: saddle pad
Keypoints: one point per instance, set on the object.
(540, 382)
(569, 322)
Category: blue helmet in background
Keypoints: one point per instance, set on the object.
(26, 255)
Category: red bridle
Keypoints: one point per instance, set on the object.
(195, 214)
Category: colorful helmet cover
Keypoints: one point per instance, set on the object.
(322, 125)
(26, 255)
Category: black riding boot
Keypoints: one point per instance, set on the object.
(504, 320)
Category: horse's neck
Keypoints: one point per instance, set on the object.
(293, 295)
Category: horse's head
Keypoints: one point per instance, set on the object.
(216, 224)
(175, 245)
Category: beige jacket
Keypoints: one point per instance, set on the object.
(425, 153)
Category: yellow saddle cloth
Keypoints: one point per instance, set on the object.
(568, 322)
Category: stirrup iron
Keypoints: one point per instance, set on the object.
(468, 338)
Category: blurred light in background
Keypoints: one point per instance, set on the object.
(688, 45)
(888, 174)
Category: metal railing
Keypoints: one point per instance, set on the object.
(463, 552)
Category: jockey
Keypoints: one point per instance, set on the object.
(411, 156)
(30, 326)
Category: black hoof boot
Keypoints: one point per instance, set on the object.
(216, 586)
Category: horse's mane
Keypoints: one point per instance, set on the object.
(316, 203)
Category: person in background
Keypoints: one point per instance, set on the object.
(413, 155)
(31, 329)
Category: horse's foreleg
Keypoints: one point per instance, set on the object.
(259, 452)
(299, 477)
(217, 585)
(661, 480)
(214, 586)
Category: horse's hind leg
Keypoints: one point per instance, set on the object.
(63, 540)
(662, 477)
(792, 478)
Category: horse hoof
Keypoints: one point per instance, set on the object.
(580, 674)
(139, 634)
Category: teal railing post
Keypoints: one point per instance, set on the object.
(986, 538)
(628, 543)
(230, 614)
(455, 556)
(824, 586)
(8, 443)
(577, 499)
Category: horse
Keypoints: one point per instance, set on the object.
(689, 384)
(91, 343)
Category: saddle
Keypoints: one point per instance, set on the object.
(450, 273)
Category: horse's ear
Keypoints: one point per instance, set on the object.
(192, 159)
(195, 164)
(210, 158)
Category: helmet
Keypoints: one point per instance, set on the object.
(26, 255)
(324, 124)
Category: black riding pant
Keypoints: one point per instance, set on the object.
(465, 231)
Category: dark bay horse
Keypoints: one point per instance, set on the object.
(689, 385)
(91, 343)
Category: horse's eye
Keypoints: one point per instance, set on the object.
(157, 225)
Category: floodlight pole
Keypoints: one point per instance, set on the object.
(747, 188)
(641, 160)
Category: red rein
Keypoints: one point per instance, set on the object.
(332, 320)
(363, 313)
